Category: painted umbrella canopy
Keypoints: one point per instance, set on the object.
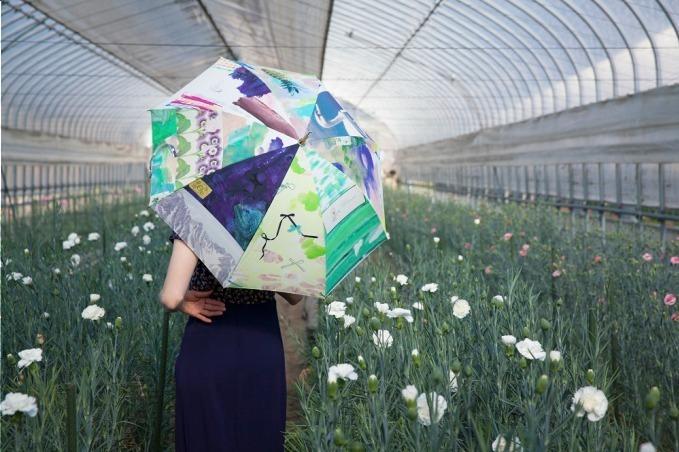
(266, 178)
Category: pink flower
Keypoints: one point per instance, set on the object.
(556, 273)
(597, 259)
(523, 252)
(467, 246)
(674, 260)
(648, 257)
(507, 236)
(433, 230)
(670, 299)
(488, 270)
(675, 316)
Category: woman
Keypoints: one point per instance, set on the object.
(230, 371)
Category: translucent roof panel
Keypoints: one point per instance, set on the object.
(432, 70)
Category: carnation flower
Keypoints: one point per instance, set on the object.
(336, 309)
(501, 445)
(674, 260)
(120, 245)
(383, 308)
(94, 297)
(508, 340)
(29, 356)
(507, 236)
(430, 287)
(555, 356)
(400, 312)
(67, 244)
(93, 236)
(590, 401)
(423, 410)
(344, 371)
(437, 240)
(75, 260)
(401, 279)
(27, 280)
(647, 447)
(531, 349)
(357, 279)
(147, 277)
(56, 270)
(383, 339)
(146, 239)
(670, 299)
(15, 276)
(348, 320)
(415, 353)
(409, 393)
(349, 300)
(144, 213)
(148, 226)
(648, 257)
(461, 307)
(16, 401)
(418, 305)
(93, 312)
(477, 221)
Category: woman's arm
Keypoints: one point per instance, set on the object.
(291, 298)
(182, 263)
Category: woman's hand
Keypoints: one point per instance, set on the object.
(198, 304)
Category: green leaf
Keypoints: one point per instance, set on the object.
(183, 147)
(183, 124)
(183, 168)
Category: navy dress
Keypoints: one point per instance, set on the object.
(230, 374)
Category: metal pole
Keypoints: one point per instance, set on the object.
(661, 206)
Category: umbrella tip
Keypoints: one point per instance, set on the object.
(302, 140)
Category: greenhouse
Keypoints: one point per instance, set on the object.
(267, 225)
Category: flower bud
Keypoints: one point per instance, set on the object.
(356, 446)
(437, 377)
(39, 338)
(399, 323)
(332, 389)
(525, 331)
(445, 327)
(590, 376)
(456, 366)
(542, 383)
(374, 323)
(523, 363)
(361, 362)
(11, 360)
(652, 398)
(360, 331)
(412, 413)
(366, 312)
(545, 325)
(338, 437)
(468, 371)
(372, 383)
(559, 303)
(119, 322)
(674, 412)
(316, 352)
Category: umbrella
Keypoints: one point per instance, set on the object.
(266, 178)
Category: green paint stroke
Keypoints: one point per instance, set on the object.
(295, 166)
(310, 200)
(243, 142)
(311, 249)
(163, 125)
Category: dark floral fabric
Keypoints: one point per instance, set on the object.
(202, 279)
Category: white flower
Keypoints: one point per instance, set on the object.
(439, 408)
(555, 356)
(418, 305)
(383, 339)
(453, 381)
(146, 239)
(400, 312)
(500, 445)
(74, 237)
(461, 308)
(93, 312)
(415, 353)
(460, 257)
(500, 299)
(647, 447)
(29, 356)
(134, 231)
(93, 236)
(373, 279)
(348, 320)
(336, 309)
(16, 401)
(94, 297)
(392, 289)
(350, 300)
(508, 340)
(67, 244)
(109, 325)
(27, 280)
(344, 371)
(16, 276)
(360, 359)
(477, 221)
(383, 308)
(119, 246)
(387, 234)
(357, 279)
(591, 401)
(409, 392)
(146, 277)
(75, 260)
(46, 315)
(531, 349)
(123, 259)
(26, 251)
(148, 226)
(144, 213)
(430, 287)
(401, 279)
(56, 270)
(437, 240)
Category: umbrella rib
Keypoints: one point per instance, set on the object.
(216, 28)
(280, 223)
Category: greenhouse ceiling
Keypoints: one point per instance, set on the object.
(421, 70)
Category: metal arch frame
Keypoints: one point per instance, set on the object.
(669, 19)
(563, 48)
(476, 70)
(583, 48)
(635, 72)
(611, 62)
(548, 78)
(650, 40)
(507, 58)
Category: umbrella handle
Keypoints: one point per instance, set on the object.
(302, 140)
